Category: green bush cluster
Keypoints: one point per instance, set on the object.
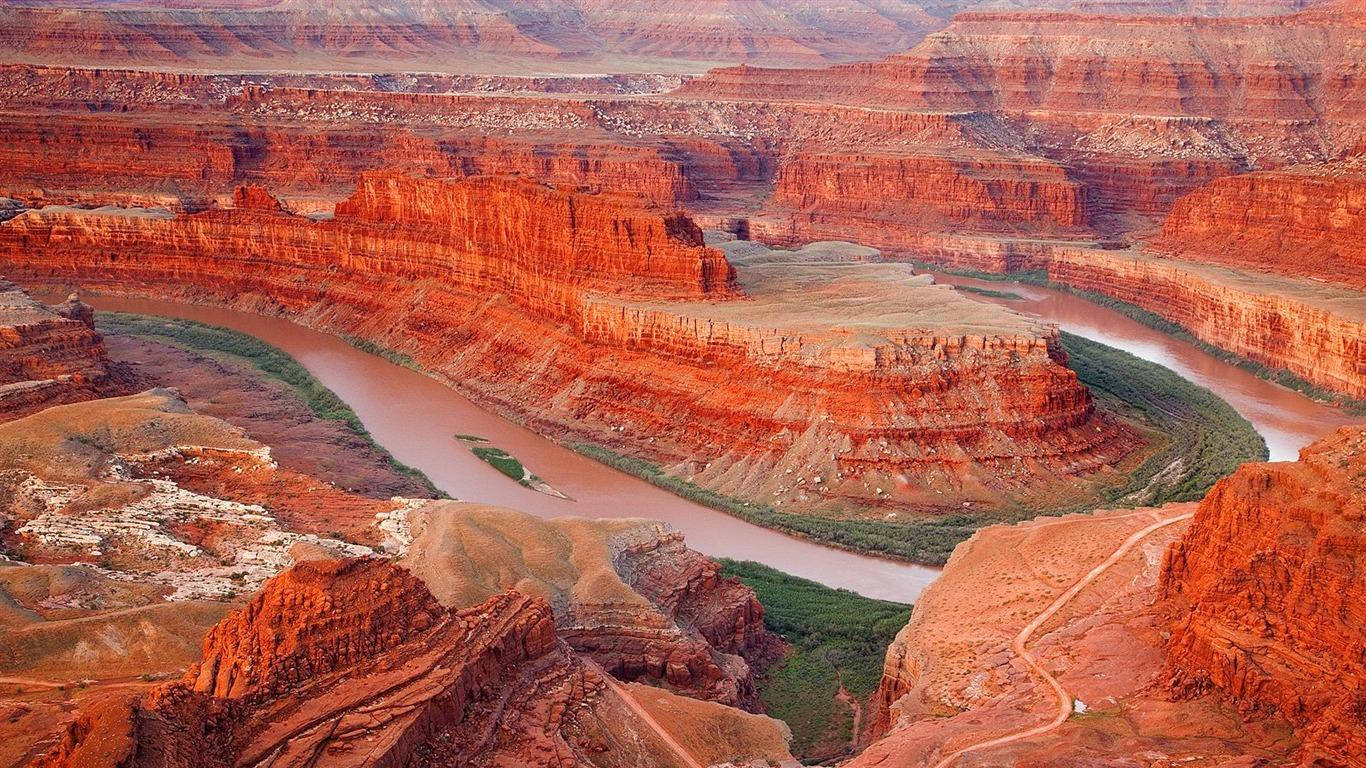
(502, 461)
(270, 360)
(928, 541)
(836, 635)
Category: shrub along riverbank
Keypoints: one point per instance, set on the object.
(246, 350)
(837, 637)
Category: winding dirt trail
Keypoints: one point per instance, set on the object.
(1018, 644)
(649, 720)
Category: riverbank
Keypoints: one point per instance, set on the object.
(1196, 438)
(240, 349)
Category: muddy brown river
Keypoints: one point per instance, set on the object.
(417, 418)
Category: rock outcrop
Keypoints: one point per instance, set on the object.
(550, 305)
(1267, 596)
(48, 355)
(628, 594)
(353, 662)
(1305, 221)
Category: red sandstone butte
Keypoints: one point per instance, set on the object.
(606, 319)
(1268, 596)
(48, 355)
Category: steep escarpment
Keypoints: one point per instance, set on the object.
(353, 662)
(549, 305)
(1305, 221)
(48, 355)
(1267, 595)
(628, 593)
(1315, 331)
(888, 199)
(185, 161)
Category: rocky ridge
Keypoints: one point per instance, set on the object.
(48, 355)
(353, 662)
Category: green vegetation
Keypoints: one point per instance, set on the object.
(470, 438)
(245, 350)
(1155, 321)
(927, 541)
(504, 462)
(1205, 439)
(397, 358)
(1201, 439)
(836, 635)
(1007, 295)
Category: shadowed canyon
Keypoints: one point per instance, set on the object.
(736, 384)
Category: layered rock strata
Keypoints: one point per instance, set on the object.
(48, 355)
(1267, 596)
(1301, 222)
(550, 305)
(1313, 329)
(627, 594)
(353, 662)
(584, 35)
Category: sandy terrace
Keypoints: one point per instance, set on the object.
(859, 303)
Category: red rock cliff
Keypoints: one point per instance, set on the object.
(550, 305)
(48, 355)
(1303, 222)
(1268, 595)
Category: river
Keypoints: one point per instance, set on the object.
(417, 418)
(1287, 420)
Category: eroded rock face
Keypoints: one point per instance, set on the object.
(1303, 222)
(628, 594)
(1268, 597)
(549, 305)
(48, 355)
(338, 656)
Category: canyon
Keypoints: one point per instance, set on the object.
(693, 244)
(546, 305)
(136, 522)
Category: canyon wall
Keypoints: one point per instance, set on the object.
(1316, 333)
(1302, 222)
(821, 194)
(48, 355)
(1310, 329)
(549, 305)
(1267, 596)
